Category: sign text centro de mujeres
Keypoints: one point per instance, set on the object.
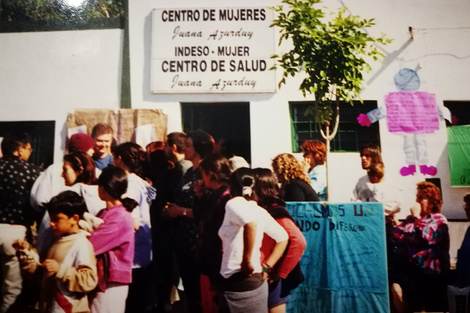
(216, 50)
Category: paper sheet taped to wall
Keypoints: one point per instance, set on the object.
(152, 124)
(458, 145)
(412, 112)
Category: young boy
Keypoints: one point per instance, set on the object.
(70, 265)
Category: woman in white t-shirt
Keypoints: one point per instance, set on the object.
(131, 157)
(245, 223)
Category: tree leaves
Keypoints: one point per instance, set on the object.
(329, 51)
(40, 10)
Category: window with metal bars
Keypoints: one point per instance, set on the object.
(350, 137)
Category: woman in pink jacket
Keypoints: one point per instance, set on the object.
(113, 242)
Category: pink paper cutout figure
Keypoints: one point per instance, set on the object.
(412, 114)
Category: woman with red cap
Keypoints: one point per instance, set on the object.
(81, 142)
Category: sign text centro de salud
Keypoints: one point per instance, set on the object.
(216, 50)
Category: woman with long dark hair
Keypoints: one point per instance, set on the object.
(184, 228)
(113, 242)
(130, 157)
(209, 213)
(79, 167)
(244, 286)
(78, 173)
(286, 274)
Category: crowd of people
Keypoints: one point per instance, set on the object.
(418, 260)
(114, 228)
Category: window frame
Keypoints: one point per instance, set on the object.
(348, 126)
(42, 134)
(457, 142)
(458, 109)
(220, 119)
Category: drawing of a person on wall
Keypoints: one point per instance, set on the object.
(412, 114)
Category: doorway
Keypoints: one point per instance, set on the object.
(227, 120)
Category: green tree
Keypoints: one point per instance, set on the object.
(329, 50)
(49, 10)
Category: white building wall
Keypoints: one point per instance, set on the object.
(45, 75)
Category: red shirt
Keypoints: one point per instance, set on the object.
(296, 248)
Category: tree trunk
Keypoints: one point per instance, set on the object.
(328, 138)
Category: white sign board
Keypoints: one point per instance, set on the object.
(216, 50)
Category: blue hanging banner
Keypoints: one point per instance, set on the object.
(345, 264)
